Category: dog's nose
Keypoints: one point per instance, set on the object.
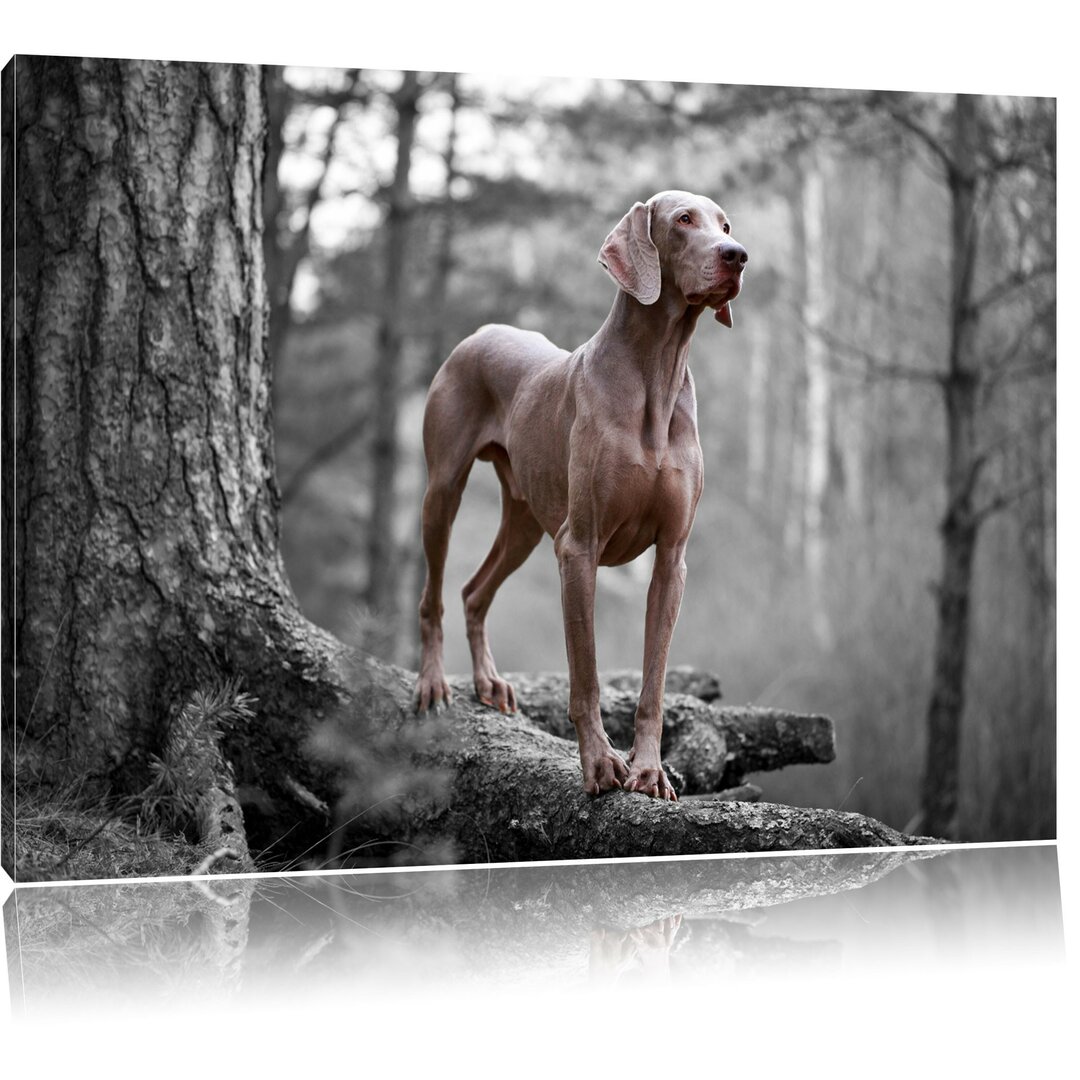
(733, 255)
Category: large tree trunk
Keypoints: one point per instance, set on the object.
(864, 249)
(757, 418)
(283, 248)
(791, 430)
(959, 526)
(438, 348)
(818, 393)
(9, 504)
(279, 280)
(147, 511)
(381, 594)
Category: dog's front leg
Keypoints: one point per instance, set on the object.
(602, 767)
(661, 612)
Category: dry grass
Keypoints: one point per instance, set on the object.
(57, 836)
(55, 832)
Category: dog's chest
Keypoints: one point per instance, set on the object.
(655, 496)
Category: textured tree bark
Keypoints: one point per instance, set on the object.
(147, 504)
(960, 525)
(473, 785)
(279, 280)
(9, 504)
(711, 747)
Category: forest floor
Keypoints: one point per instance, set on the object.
(54, 836)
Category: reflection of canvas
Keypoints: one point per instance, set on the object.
(715, 925)
(230, 335)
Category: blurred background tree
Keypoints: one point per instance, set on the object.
(885, 400)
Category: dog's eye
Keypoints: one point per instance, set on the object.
(684, 218)
(726, 227)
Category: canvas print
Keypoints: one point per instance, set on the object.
(414, 467)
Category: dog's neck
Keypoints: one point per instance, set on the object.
(652, 342)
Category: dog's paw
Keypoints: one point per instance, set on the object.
(432, 692)
(603, 771)
(652, 782)
(495, 692)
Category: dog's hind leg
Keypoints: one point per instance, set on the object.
(450, 454)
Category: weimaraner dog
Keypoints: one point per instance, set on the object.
(597, 447)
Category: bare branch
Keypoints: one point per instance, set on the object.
(296, 248)
(315, 192)
(1008, 440)
(1010, 373)
(334, 98)
(746, 103)
(1039, 159)
(646, 92)
(1003, 370)
(923, 134)
(1012, 283)
(321, 455)
(873, 365)
(1007, 498)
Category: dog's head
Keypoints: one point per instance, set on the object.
(681, 239)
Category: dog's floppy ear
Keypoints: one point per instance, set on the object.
(630, 257)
